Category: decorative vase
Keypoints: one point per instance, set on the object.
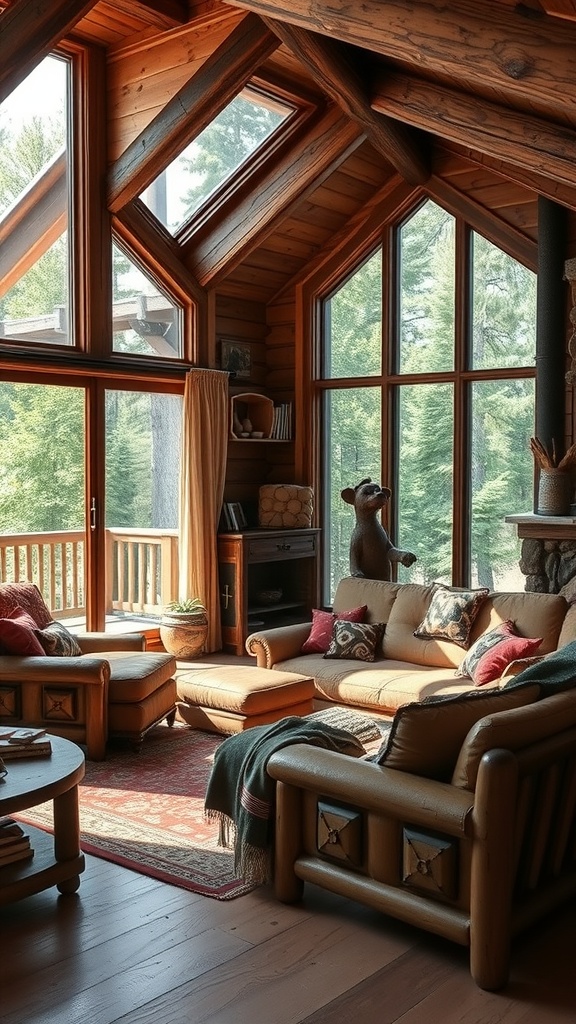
(184, 634)
(554, 493)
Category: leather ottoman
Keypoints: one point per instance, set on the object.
(226, 699)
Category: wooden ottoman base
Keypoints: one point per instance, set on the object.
(226, 699)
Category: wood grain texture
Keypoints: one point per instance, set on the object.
(133, 949)
(529, 57)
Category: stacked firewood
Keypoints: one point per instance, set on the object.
(549, 460)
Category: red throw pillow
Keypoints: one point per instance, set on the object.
(320, 635)
(493, 652)
(17, 634)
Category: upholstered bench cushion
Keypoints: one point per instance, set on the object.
(133, 677)
(228, 699)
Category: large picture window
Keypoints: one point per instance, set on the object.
(434, 400)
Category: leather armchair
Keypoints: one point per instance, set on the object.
(475, 865)
(114, 688)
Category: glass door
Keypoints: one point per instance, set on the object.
(142, 456)
(42, 493)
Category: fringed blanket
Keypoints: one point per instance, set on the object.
(240, 793)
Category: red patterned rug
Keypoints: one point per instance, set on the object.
(146, 812)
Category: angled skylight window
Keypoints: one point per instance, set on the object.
(211, 159)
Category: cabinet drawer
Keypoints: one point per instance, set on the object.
(270, 548)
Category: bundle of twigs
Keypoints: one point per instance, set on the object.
(547, 460)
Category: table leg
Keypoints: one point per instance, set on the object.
(67, 834)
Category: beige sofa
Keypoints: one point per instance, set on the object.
(407, 668)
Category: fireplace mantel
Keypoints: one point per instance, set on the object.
(544, 527)
(548, 557)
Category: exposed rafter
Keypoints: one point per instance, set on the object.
(243, 223)
(330, 68)
(531, 142)
(30, 30)
(136, 225)
(197, 103)
(526, 55)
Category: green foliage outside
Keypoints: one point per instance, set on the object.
(500, 467)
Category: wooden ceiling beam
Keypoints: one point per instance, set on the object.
(30, 30)
(530, 142)
(331, 69)
(155, 247)
(243, 223)
(216, 82)
(520, 51)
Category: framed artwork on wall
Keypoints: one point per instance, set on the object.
(236, 358)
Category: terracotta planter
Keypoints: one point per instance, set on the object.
(184, 634)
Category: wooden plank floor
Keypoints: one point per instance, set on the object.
(129, 949)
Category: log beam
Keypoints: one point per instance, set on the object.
(30, 30)
(331, 70)
(526, 55)
(529, 142)
(199, 101)
(243, 223)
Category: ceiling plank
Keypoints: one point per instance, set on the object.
(537, 183)
(560, 8)
(330, 68)
(243, 223)
(198, 102)
(30, 30)
(520, 51)
(166, 13)
(530, 142)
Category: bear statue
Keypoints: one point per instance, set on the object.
(371, 550)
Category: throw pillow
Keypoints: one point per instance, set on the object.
(25, 596)
(451, 615)
(356, 640)
(426, 737)
(17, 634)
(58, 641)
(554, 673)
(493, 652)
(318, 641)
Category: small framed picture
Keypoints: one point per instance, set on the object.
(236, 358)
(239, 516)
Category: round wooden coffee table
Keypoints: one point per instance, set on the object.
(57, 858)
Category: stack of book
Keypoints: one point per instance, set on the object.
(282, 422)
(14, 843)
(23, 742)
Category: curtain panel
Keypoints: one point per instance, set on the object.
(202, 476)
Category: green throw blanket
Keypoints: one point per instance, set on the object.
(554, 673)
(240, 793)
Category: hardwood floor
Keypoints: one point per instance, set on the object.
(129, 949)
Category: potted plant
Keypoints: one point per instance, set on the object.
(184, 628)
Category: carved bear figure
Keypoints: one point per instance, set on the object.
(371, 550)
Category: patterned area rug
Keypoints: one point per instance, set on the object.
(146, 812)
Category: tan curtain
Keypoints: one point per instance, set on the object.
(204, 453)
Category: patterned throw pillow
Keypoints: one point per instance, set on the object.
(320, 636)
(25, 596)
(17, 634)
(58, 641)
(359, 641)
(451, 615)
(493, 652)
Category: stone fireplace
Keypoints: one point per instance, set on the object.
(548, 554)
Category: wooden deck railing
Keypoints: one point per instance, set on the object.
(141, 568)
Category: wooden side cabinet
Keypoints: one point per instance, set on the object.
(267, 578)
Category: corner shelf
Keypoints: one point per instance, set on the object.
(258, 409)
